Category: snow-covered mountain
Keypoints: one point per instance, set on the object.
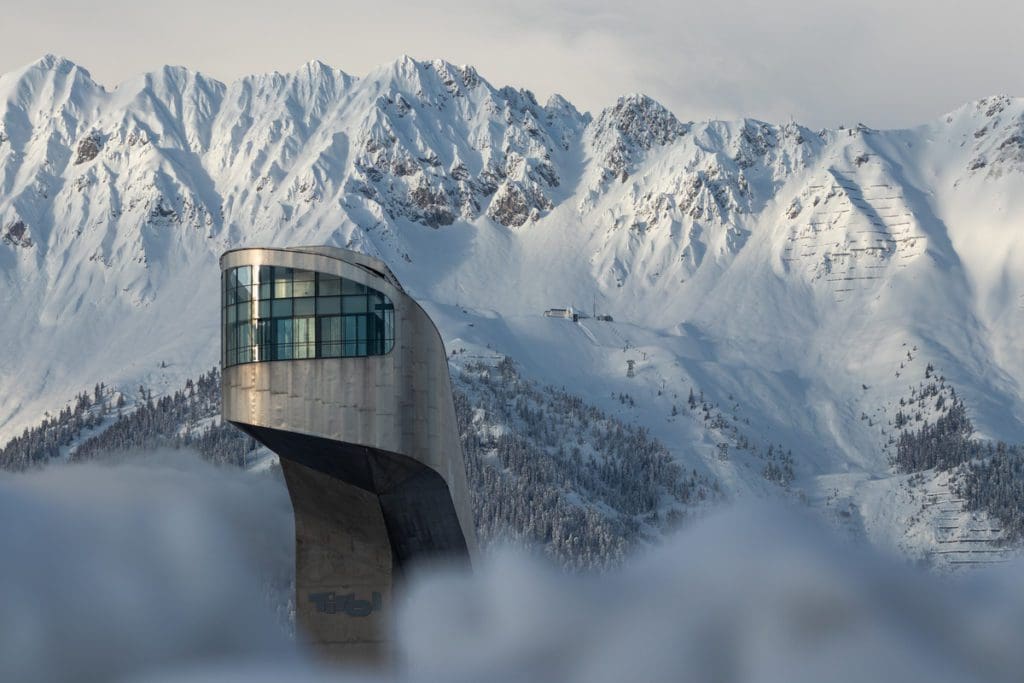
(802, 280)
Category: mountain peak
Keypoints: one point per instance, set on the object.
(433, 80)
(175, 78)
(984, 108)
(624, 132)
(47, 84)
(642, 121)
(404, 69)
(318, 71)
(52, 62)
(317, 68)
(404, 64)
(49, 64)
(317, 64)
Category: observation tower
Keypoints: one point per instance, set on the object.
(330, 364)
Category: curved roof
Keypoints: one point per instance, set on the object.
(364, 261)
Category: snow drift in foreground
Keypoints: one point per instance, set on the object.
(152, 572)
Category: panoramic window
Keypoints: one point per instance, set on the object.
(275, 313)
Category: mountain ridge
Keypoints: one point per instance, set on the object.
(779, 269)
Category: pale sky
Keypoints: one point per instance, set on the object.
(882, 62)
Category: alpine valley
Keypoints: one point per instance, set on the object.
(826, 316)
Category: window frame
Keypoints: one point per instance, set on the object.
(252, 297)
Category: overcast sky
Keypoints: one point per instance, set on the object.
(883, 62)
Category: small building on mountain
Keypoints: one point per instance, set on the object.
(567, 313)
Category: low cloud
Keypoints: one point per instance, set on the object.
(116, 569)
(753, 594)
(156, 570)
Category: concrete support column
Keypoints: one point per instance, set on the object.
(343, 567)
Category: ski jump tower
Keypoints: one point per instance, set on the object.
(330, 364)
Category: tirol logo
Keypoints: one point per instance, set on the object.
(333, 603)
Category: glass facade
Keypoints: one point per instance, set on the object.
(275, 313)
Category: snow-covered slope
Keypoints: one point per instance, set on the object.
(786, 274)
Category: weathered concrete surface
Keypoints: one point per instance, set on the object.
(343, 578)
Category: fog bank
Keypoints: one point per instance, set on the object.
(119, 568)
(157, 569)
(751, 594)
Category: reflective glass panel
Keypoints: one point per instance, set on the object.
(304, 283)
(305, 337)
(274, 313)
(328, 305)
(283, 344)
(281, 308)
(328, 285)
(348, 335)
(330, 336)
(282, 283)
(353, 304)
(350, 287)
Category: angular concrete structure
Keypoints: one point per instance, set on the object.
(329, 363)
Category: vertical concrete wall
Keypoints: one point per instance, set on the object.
(343, 578)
